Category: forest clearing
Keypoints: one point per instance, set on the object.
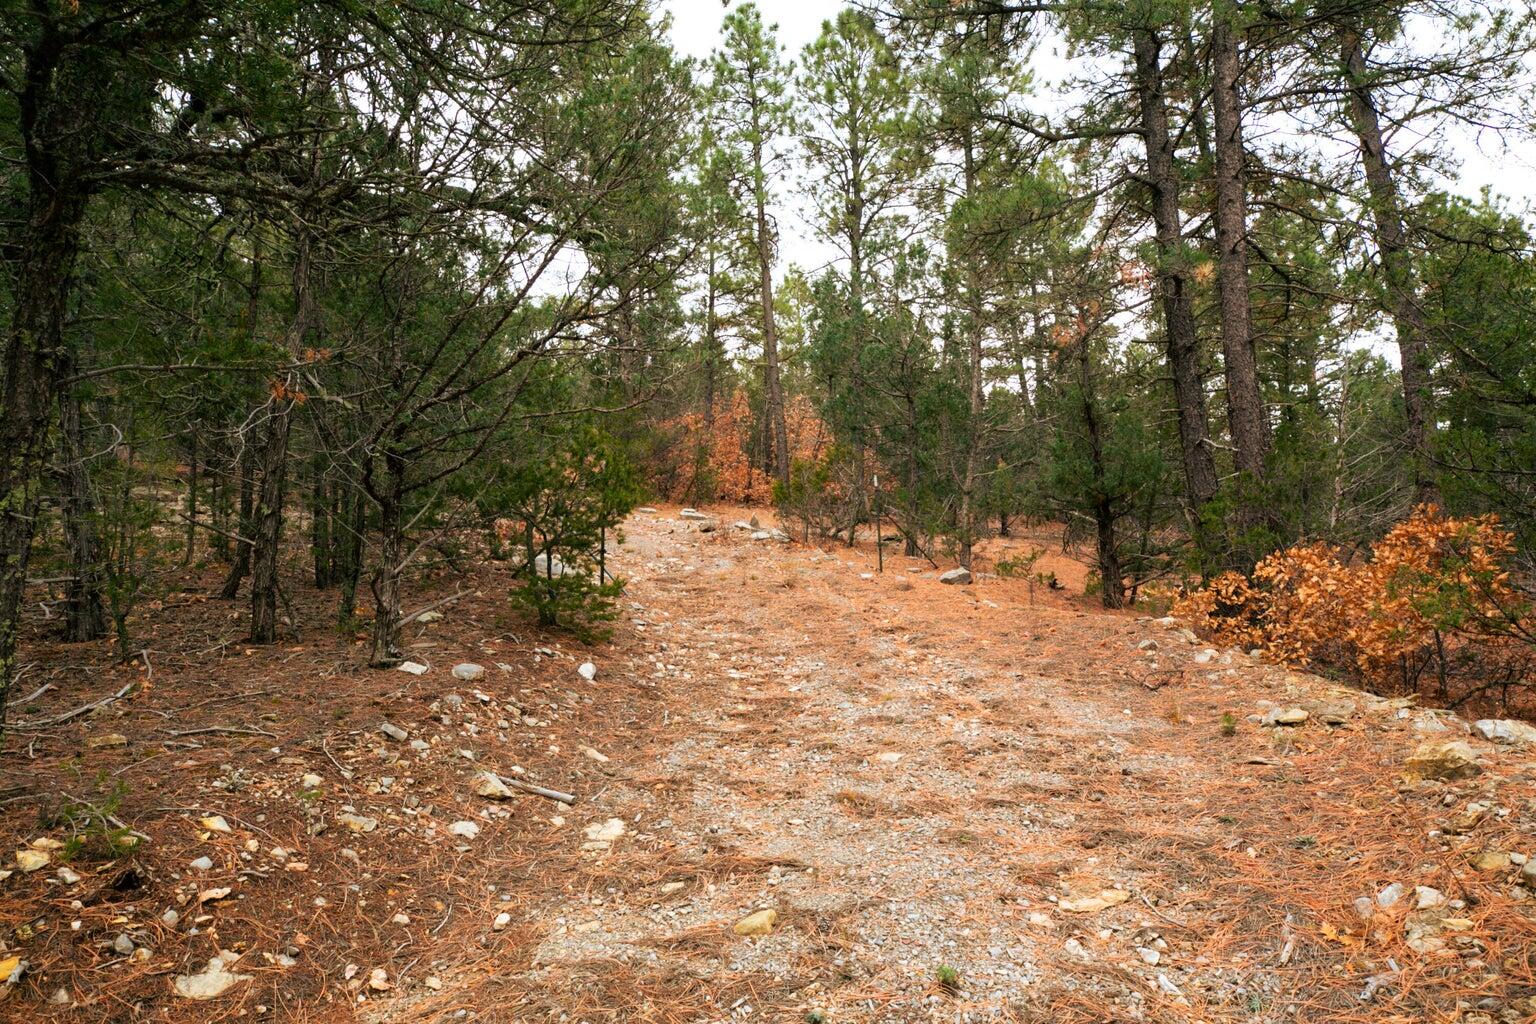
(913, 777)
(687, 511)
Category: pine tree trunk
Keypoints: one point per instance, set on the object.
(34, 364)
(1397, 267)
(85, 618)
(1173, 283)
(192, 464)
(1247, 419)
(386, 574)
(320, 523)
(773, 388)
(240, 565)
(967, 525)
(267, 535)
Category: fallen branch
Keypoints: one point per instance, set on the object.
(82, 710)
(29, 698)
(418, 613)
(528, 787)
(227, 730)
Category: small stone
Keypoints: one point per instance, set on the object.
(415, 668)
(606, 831)
(111, 739)
(1528, 873)
(311, 781)
(358, 822)
(955, 576)
(465, 829)
(587, 671)
(420, 746)
(487, 784)
(67, 876)
(668, 888)
(430, 616)
(31, 860)
(1390, 895)
(1147, 645)
(1490, 860)
(760, 923)
(468, 671)
(595, 755)
(204, 863)
(1148, 955)
(1102, 900)
(212, 983)
(122, 945)
(400, 919)
(216, 823)
(888, 756)
(1287, 716)
(1425, 898)
(433, 982)
(393, 731)
(1440, 759)
(502, 920)
(378, 980)
(170, 918)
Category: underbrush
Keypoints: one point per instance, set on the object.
(1435, 608)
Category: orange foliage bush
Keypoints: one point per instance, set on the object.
(1435, 596)
(704, 463)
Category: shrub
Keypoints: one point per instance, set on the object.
(1435, 600)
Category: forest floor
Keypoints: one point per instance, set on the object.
(984, 802)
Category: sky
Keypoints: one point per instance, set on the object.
(1484, 162)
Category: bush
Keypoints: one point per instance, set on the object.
(1435, 600)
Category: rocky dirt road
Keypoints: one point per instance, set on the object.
(805, 791)
(928, 802)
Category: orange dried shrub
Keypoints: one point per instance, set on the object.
(714, 462)
(1435, 595)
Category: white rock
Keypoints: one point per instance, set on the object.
(202, 864)
(468, 671)
(415, 668)
(956, 575)
(606, 831)
(430, 616)
(393, 731)
(311, 781)
(1426, 898)
(466, 829)
(1390, 895)
(486, 784)
(502, 920)
(1505, 730)
(210, 984)
(587, 671)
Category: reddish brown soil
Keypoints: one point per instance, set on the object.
(911, 775)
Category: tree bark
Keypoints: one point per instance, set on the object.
(30, 377)
(385, 582)
(973, 330)
(1397, 267)
(1173, 284)
(1247, 419)
(240, 564)
(773, 388)
(267, 539)
(85, 618)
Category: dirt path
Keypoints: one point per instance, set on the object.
(960, 804)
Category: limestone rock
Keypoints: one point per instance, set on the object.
(1102, 900)
(587, 671)
(957, 575)
(468, 671)
(31, 860)
(1286, 716)
(211, 983)
(464, 829)
(393, 731)
(1442, 759)
(760, 923)
(1506, 730)
(486, 784)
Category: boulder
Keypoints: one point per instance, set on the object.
(547, 566)
(1505, 730)
(1442, 759)
(960, 575)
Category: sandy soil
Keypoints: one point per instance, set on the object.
(983, 802)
